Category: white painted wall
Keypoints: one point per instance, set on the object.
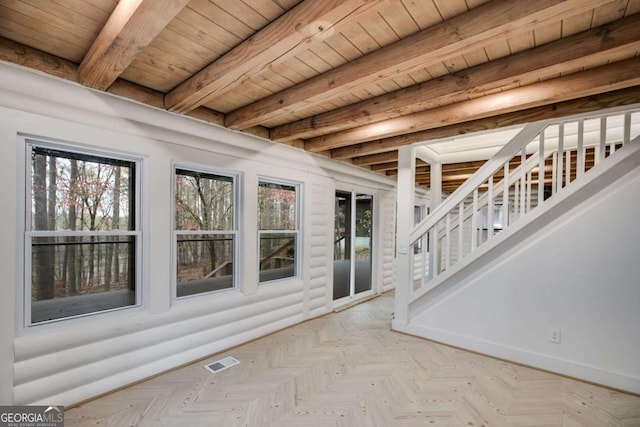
(72, 360)
(580, 274)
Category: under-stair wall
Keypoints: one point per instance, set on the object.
(580, 274)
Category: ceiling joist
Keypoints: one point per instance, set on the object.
(385, 150)
(447, 169)
(583, 50)
(495, 19)
(390, 156)
(606, 78)
(130, 28)
(276, 42)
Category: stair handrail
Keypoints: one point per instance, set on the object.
(491, 166)
(498, 187)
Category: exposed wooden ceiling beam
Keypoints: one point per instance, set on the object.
(466, 166)
(130, 28)
(20, 54)
(454, 174)
(448, 167)
(455, 36)
(383, 167)
(273, 44)
(450, 170)
(578, 106)
(455, 181)
(376, 158)
(424, 173)
(585, 49)
(605, 78)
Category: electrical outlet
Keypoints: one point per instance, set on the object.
(554, 335)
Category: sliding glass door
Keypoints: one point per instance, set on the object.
(353, 244)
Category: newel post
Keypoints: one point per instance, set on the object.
(405, 202)
(435, 192)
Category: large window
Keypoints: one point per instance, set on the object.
(278, 230)
(205, 232)
(82, 233)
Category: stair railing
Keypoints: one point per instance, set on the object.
(537, 163)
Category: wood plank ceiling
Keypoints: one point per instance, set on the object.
(349, 79)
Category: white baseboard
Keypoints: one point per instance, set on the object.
(564, 367)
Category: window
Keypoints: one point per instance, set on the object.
(205, 232)
(278, 230)
(82, 234)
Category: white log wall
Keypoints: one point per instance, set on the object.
(388, 242)
(320, 260)
(69, 361)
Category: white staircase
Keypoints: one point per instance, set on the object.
(504, 207)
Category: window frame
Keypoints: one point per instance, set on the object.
(29, 142)
(236, 180)
(297, 261)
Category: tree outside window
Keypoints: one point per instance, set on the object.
(82, 233)
(205, 232)
(278, 230)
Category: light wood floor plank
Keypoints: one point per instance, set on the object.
(349, 369)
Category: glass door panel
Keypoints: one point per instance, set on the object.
(342, 246)
(363, 242)
(353, 244)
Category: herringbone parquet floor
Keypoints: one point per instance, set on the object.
(349, 369)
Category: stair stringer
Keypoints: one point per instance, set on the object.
(591, 189)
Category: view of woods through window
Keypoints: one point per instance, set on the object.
(82, 234)
(278, 229)
(205, 232)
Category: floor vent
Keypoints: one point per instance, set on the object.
(222, 364)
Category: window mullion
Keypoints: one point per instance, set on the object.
(67, 233)
(203, 232)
